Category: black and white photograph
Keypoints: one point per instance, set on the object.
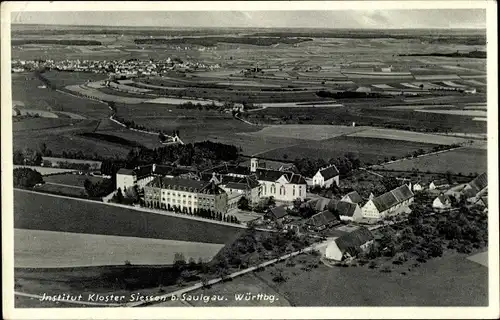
(186, 156)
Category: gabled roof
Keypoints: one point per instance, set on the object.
(188, 185)
(124, 171)
(440, 182)
(245, 183)
(479, 183)
(297, 179)
(351, 242)
(278, 212)
(354, 197)
(319, 204)
(321, 219)
(269, 175)
(345, 208)
(231, 169)
(329, 172)
(143, 171)
(392, 198)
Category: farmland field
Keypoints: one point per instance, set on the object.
(393, 134)
(305, 132)
(72, 179)
(49, 249)
(369, 150)
(463, 160)
(448, 281)
(68, 215)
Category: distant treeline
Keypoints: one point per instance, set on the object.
(348, 94)
(212, 41)
(468, 39)
(472, 54)
(56, 41)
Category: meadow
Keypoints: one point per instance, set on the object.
(368, 150)
(49, 249)
(463, 160)
(76, 216)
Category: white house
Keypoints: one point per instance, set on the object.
(417, 187)
(349, 245)
(390, 203)
(442, 202)
(125, 178)
(325, 177)
(439, 184)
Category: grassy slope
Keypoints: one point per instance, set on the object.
(34, 211)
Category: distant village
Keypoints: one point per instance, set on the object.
(128, 67)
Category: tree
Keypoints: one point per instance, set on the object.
(243, 204)
(179, 261)
(26, 177)
(132, 194)
(390, 183)
(118, 197)
(162, 137)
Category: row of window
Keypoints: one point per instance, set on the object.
(282, 190)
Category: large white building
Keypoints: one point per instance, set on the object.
(283, 186)
(390, 203)
(327, 176)
(187, 195)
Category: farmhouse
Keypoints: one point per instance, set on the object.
(321, 221)
(349, 245)
(442, 202)
(439, 184)
(186, 194)
(348, 211)
(352, 197)
(325, 177)
(390, 203)
(477, 187)
(277, 213)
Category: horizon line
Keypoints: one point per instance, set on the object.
(245, 27)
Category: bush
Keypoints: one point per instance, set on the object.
(26, 178)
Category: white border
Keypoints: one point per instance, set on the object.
(243, 312)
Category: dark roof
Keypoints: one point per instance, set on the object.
(126, 171)
(354, 196)
(479, 183)
(163, 169)
(392, 198)
(319, 204)
(143, 171)
(351, 242)
(321, 219)
(297, 179)
(231, 169)
(182, 184)
(268, 175)
(278, 212)
(346, 208)
(444, 198)
(329, 172)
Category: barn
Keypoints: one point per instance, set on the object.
(349, 245)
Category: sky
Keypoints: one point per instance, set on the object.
(377, 19)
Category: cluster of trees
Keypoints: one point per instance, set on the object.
(426, 236)
(28, 157)
(130, 197)
(130, 123)
(345, 165)
(100, 188)
(74, 42)
(213, 41)
(26, 178)
(197, 212)
(472, 54)
(207, 106)
(264, 205)
(188, 154)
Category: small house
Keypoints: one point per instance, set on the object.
(442, 202)
(349, 211)
(327, 176)
(417, 187)
(349, 245)
(321, 221)
(352, 197)
(439, 184)
(277, 213)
